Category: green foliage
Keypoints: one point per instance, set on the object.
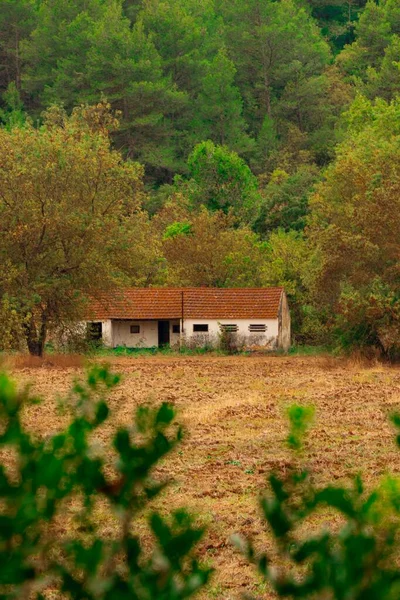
(13, 114)
(222, 180)
(299, 419)
(49, 476)
(337, 19)
(355, 232)
(285, 200)
(280, 57)
(70, 216)
(209, 251)
(177, 228)
(182, 72)
(17, 20)
(352, 559)
(287, 264)
(219, 107)
(372, 61)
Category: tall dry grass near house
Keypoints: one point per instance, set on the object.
(59, 361)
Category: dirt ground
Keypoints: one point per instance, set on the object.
(234, 413)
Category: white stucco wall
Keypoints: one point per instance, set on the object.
(107, 333)
(260, 339)
(146, 338)
(117, 333)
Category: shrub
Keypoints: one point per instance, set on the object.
(199, 343)
(43, 478)
(357, 559)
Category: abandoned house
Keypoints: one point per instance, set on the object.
(154, 317)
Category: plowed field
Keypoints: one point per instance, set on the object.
(233, 410)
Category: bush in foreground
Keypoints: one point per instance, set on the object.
(40, 479)
(356, 558)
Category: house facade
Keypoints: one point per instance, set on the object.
(154, 317)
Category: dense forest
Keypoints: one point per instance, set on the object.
(202, 142)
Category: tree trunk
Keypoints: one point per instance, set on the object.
(36, 335)
(17, 62)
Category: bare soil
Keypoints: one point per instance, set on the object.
(234, 413)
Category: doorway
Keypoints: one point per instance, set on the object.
(163, 333)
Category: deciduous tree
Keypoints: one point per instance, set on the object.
(204, 249)
(70, 217)
(354, 226)
(221, 180)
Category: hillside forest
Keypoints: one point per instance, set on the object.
(226, 143)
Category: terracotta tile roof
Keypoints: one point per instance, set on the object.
(198, 303)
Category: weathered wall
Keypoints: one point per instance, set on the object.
(117, 333)
(269, 338)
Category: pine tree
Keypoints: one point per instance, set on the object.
(219, 107)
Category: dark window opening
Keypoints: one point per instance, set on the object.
(135, 328)
(94, 331)
(176, 328)
(200, 327)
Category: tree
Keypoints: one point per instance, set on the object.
(204, 249)
(17, 20)
(279, 53)
(98, 54)
(354, 227)
(70, 217)
(372, 61)
(219, 107)
(337, 19)
(124, 66)
(287, 261)
(187, 35)
(55, 54)
(13, 113)
(221, 180)
(285, 200)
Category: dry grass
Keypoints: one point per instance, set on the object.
(60, 361)
(234, 409)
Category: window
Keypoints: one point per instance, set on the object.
(255, 328)
(94, 331)
(176, 328)
(135, 328)
(229, 328)
(197, 327)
